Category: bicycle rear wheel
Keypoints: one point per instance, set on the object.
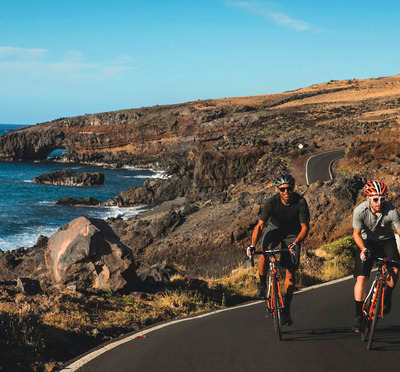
(278, 309)
(376, 315)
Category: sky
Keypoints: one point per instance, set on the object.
(63, 58)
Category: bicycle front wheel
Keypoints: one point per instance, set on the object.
(365, 327)
(366, 322)
(278, 309)
(376, 315)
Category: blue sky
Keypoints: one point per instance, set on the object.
(61, 58)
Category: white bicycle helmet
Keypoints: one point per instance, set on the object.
(283, 179)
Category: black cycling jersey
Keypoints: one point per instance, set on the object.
(286, 218)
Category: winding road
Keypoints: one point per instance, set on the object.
(242, 338)
(319, 166)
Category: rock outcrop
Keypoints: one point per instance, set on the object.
(69, 178)
(22, 262)
(79, 202)
(210, 173)
(87, 253)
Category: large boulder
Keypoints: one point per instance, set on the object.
(88, 254)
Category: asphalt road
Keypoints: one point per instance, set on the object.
(243, 339)
(318, 167)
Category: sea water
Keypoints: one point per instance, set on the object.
(28, 210)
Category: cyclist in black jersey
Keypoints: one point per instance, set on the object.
(287, 217)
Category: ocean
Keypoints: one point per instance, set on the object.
(28, 210)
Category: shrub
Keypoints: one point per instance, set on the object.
(339, 258)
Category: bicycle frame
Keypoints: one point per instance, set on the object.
(370, 301)
(273, 272)
(374, 302)
(274, 300)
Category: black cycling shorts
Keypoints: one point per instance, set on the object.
(274, 237)
(381, 248)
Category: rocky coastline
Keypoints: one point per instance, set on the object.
(221, 157)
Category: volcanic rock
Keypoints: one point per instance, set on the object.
(29, 286)
(79, 202)
(156, 275)
(68, 178)
(88, 254)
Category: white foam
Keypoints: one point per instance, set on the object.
(26, 239)
(123, 212)
(158, 175)
(46, 202)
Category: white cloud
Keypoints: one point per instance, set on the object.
(33, 53)
(264, 9)
(72, 67)
(284, 20)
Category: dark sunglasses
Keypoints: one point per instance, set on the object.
(375, 200)
(283, 189)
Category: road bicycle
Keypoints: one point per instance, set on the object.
(274, 300)
(373, 303)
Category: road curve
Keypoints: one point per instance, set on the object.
(243, 338)
(318, 167)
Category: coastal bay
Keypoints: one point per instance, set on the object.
(28, 210)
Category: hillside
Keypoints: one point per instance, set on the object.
(222, 156)
(320, 116)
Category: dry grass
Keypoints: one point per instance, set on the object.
(241, 282)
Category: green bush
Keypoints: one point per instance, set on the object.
(339, 259)
(343, 247)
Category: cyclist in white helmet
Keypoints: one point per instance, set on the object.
(373, 233)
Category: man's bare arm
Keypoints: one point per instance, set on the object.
(305, 228)
(358, 239)
(257, 232)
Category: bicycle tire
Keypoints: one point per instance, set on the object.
(376, 315)
(278, 314)
(366, 324)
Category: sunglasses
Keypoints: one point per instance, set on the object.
(381, 198)
(283, 189)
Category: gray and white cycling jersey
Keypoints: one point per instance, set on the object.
(376, 227)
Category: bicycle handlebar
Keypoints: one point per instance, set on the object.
(387, 260)
(383, 260)
(269, 252)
